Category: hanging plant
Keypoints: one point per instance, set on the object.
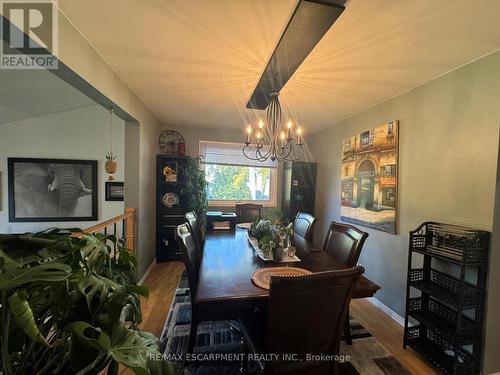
(110, 166)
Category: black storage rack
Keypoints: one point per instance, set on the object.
(444, 307)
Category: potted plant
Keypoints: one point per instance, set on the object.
(110, 166)
(71, 306)
(195, 189)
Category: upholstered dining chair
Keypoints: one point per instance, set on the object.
(248, 212)
(345, 243)
(189, 254)
(195, 229)
(303, 226)
(293, 324)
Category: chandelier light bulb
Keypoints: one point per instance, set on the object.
(249, 131)
(259, 135)
(289, 124)
(261, 124)
(299, 130)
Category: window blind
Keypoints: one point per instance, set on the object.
(225, 153)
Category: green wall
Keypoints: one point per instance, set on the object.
(449, 131)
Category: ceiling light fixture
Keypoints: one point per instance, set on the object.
(271, 140)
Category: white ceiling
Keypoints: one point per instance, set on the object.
(30, 93)
(196, 62)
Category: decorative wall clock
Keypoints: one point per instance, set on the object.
(172, 143)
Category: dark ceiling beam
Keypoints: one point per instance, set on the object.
(309, 23)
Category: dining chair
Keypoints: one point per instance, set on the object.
(248, 212)
(303, 226)
(293, 325)
(195, 229)
(187, 245)
(345, 243)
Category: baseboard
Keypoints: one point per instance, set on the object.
(388, 311)
(143, 278)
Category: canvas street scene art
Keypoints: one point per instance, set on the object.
(369, 194)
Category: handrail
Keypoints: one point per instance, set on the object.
(128, 226)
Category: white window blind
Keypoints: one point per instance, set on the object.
(225, 153)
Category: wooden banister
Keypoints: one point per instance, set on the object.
(128, 227)
(129, 244)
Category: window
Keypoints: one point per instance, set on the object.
(390, 129)
(232, 178)
(366, 138)
(347, 144)
(388, 170)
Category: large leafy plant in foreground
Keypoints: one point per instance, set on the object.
(71, 306)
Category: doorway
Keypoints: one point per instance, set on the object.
(366, 185)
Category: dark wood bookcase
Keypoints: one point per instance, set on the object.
(169, 216)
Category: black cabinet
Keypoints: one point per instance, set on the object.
(170, 204)
(299, 188)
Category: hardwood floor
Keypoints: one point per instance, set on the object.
(164, 277)
(162, 282)
(390, 335)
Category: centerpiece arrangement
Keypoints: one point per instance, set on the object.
(272, 242)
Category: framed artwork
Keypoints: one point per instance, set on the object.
(114, 191)
(369, 195)
(52, 190)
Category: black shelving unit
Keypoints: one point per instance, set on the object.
(168, 216)
(298, 188)
(445, 295)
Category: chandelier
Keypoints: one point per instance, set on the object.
(272, 141)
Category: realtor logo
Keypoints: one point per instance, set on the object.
(29, 34)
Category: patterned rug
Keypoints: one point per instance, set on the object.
(365, 356)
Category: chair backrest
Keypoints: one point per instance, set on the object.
(188, 248)
(303, 226)
(195, 229)
(345, 243)
(306, 314)
(248, 212)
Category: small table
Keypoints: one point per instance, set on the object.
(219, 216)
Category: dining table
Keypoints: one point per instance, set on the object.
(225, 286)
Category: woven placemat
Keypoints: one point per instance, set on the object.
(262, 277)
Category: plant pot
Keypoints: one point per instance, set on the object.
(110, 168)
(278, 254)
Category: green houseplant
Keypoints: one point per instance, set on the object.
(71, 306)
(195, 189)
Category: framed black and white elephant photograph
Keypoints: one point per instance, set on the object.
(52, 190)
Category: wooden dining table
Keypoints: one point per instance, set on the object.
(225, 288)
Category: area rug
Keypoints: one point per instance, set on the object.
(365, 356)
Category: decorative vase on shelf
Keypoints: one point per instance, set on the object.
(110, 166)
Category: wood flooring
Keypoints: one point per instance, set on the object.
(164, 277)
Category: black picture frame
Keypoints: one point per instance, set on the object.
(110, 195)
(42, 184)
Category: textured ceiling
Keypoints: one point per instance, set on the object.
(196, 62)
